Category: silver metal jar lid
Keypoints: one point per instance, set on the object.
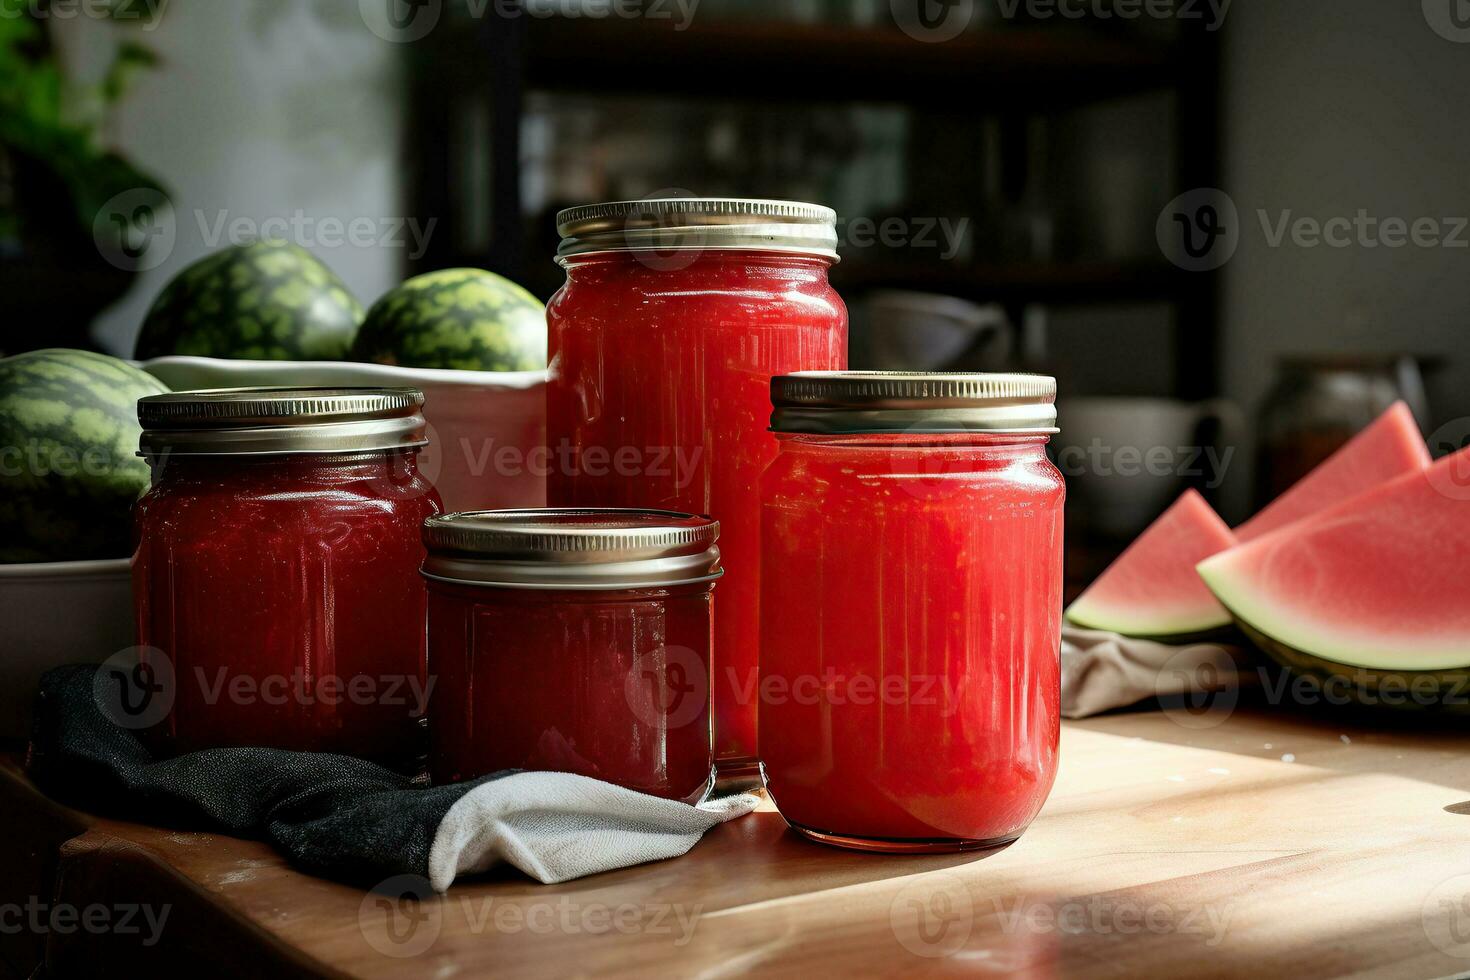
(589, 548)
(259, 421)
(694, 224)
(840, 402)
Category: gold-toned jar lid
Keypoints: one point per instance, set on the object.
(587, 548)
(843, 402)
(696, 224)
(260, 421)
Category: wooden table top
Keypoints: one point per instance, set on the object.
(1261, 843)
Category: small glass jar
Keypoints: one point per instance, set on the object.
(276, 569)
(573, 641)
(674, 317)
(911, 602)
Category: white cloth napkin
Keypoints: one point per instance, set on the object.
(1102, 671)
(557, 826)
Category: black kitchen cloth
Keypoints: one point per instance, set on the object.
(331, 815)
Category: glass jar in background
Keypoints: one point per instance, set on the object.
(674, 317)
(911, 604)
(277, 569)
(573, 641)
(1318, 403)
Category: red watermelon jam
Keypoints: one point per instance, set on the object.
(611, 684)
(659, 390)
(911, 610)
(285, 591)
(573, 641)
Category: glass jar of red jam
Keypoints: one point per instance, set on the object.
(573, 641)
(674, 317)
(911, 601)
(277, 569)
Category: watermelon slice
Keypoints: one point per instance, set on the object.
(1389, 448)
(1378, 586)
(1151, 590)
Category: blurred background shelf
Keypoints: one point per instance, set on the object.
(1042, 151)
(837, 62)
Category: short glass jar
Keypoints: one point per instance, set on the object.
(276, 569)
(573, 641)
(674, 317)
(911, 601)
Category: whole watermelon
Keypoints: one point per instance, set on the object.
(267, 300)
(69, 470)
(467, 319)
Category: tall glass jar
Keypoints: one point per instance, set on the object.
(573, 641)
(911, 602)
(276, 574)
(673, 319)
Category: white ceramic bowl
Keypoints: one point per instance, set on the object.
(482, 424)
(54, 613)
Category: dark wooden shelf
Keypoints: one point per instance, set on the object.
(823, 63)
(1074, 282)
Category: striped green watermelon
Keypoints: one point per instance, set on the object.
(467, 319)
(267, 300)
(69, 470)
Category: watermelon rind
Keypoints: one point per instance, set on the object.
(1446, 690)
(456, 319)
(1254, 618)
(266, 300)
(69, 431)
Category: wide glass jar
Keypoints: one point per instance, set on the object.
(573, 641)
(911, 602)
(276, 569)
(673, 319)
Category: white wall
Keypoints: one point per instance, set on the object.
(261, 107)
(1332, 106)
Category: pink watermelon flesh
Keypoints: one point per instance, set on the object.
(1381, 581)
(1152, 589)
(1387, 449)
